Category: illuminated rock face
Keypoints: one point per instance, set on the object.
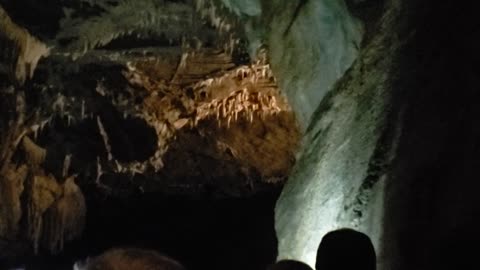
(312, 44)
(390, 150)
(333, 183)
(313, 40)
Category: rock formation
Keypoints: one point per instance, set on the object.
(131, 97)
(20, 50)
(368, 107)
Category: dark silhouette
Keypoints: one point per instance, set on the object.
(289, 265)
(346, 249)
(131, 259)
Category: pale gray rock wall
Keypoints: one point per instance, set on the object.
(340, 177)
(311, 45)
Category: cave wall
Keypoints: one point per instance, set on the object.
(389, 149)
(129, 97)
(316, 41)
(323, 32)
(339, 170)
(392, 149)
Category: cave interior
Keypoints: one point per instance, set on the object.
(237, 133)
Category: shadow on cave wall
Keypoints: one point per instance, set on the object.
(200, 233)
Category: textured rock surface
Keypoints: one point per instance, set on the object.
(135, 97)
(311, 45)
(390, 150)
(171, 102)
(323, 32)
(20, 50)
(332, 181)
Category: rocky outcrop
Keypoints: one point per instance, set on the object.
(12, 186)
(390, 151)
(330, 38)
(206, 103)
(341, 161)
(135, 97)
(53, 212)
(311, 45)
(20, 50)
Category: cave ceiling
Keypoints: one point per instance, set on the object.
(139, 96)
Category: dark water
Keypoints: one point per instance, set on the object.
(200, 233)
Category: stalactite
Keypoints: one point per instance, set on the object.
(53, 206)
(20, 50)
(138, 17)
(210, 12)
(105, 138)
(56, 212)
(35, 155)
(12, 176)
(245, 91)
(44, 191)
(65, 218)
(238, 103)
(11, 187)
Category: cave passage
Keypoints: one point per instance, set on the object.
(201, 233)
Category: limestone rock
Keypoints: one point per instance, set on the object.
(65, 218)
(331, 184)
(11, 188)
(20, 50)
(43, 193)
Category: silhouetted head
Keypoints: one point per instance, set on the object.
(346, 249)
(130, 259)
(289, 265)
